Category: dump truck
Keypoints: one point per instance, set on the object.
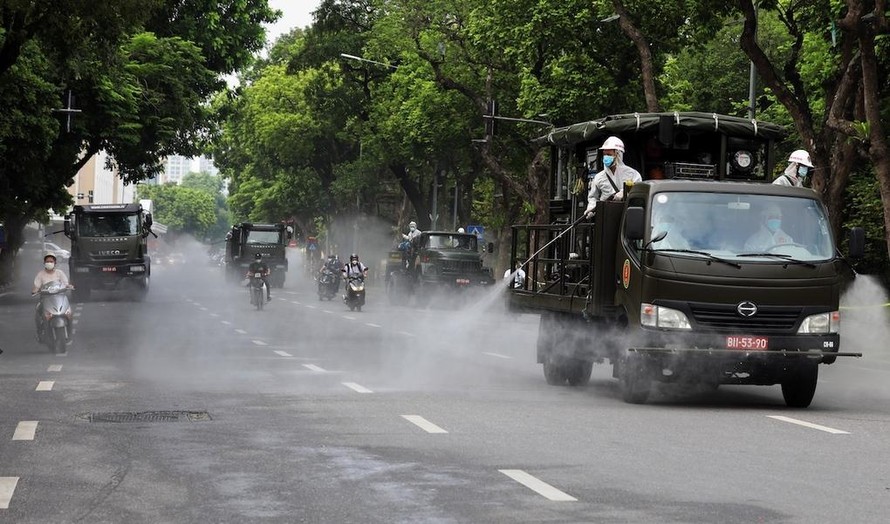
(682, 282)
(109, 249)
(243, 243)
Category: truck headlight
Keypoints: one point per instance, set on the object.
(821, 323)
(663, 317)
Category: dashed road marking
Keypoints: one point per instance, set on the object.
(74, 322)
(372, 325)
(45, 385)
(225, 322)
(327, 311)
(7, 488)
(406, 334)
(240, 331)
(423, 424)
(77, 313)
(357, 388)
(311, 307)
(295, 302)
(313, 367)
(283, 354)
(498, 355)
(259, 343)
(809, 425)
(347, 317)
(202, 308)
(538, 486)
(214, 314)
(25, 430)
(55, 368)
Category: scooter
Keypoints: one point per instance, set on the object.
(328, 284)
(257, 290)
(54, 327)
(355, 293)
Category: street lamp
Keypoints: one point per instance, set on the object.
(360, 59)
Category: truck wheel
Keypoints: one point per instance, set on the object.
(578, 372)
(554, 372)
(799, 386)
(634, 381)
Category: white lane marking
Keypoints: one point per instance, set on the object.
(498, 355)
(809, 425)
(372, 325)
(311, 307)
(214, 314)
(327, 311)
(55, 368)
(74, 322)
(538, 486)
(313, 367)
(283, 353)
(291, 292)
(7, 488)
(423, 424)
(295, 302)
(407, 334)
(259, 343)
(347, 317)
(25, 430)
(225, 322)
(45, 385)
(76, 313)
(357, 388)
(203, 308)
(240, 331)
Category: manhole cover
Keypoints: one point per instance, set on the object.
(148, 416)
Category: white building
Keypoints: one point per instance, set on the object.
(95, 183)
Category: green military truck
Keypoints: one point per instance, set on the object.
(681, 282)
(109, 250)
(439, 262)
(243, 243)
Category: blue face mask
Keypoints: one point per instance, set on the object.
(773, 224)
(803, 171)
(608, 160)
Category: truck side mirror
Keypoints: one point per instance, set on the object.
(634, 223)
(148, 220)
(857, 243)
(67, 227)
(490, 247)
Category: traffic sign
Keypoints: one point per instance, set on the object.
(479, 231)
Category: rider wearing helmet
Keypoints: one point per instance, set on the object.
(258, 266)
(608, 184)
(799, 166)
(354, 269)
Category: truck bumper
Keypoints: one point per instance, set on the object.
(109, 275)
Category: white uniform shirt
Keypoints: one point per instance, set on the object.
(518, 280)
(411, 235)
(765, 239)
(354, 269)
(601, 187)
(45, 277)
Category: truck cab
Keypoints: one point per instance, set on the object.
(243, 243)
(708, 280)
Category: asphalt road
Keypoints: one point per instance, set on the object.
(307, 412)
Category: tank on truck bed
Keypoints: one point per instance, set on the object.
(683, 282)
(109, 250)
(243, 243)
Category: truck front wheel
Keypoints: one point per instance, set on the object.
(634, 378)
(799, 387)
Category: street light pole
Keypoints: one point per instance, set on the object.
(360, 59)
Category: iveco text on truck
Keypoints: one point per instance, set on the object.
(679, 283)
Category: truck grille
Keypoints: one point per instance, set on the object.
(768, 319)
(109, 258)
(460, 266)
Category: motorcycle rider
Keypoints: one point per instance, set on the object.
(354, 269)
(258, 266)
(48, 274)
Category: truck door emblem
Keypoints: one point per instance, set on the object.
(746, 309)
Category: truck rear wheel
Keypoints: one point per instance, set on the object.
(554, 372)
(634, 380)
(799, 386)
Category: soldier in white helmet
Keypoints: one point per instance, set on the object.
(608, 184)
(799, 166)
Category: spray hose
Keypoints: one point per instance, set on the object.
(548, 244)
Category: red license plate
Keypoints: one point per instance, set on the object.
(109, 269)
(462, 281)
(747, 343)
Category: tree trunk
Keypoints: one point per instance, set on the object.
(647, 66)
(414, 194)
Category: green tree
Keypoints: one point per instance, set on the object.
(183, 210)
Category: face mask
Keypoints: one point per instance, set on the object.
(773, 224)
(803, 171)
(49, 265)
(608, 160)
(412, 229)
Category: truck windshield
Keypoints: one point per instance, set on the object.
(94, 225)
(741, 226)
(263, 237)
(464, 242)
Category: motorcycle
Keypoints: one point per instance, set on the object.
(54, 327)
(355, 293)
(257, 290)
(328, 284)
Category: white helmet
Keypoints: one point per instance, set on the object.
(461, 230)
(613, 142)
(800, 157)
(412, 223)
